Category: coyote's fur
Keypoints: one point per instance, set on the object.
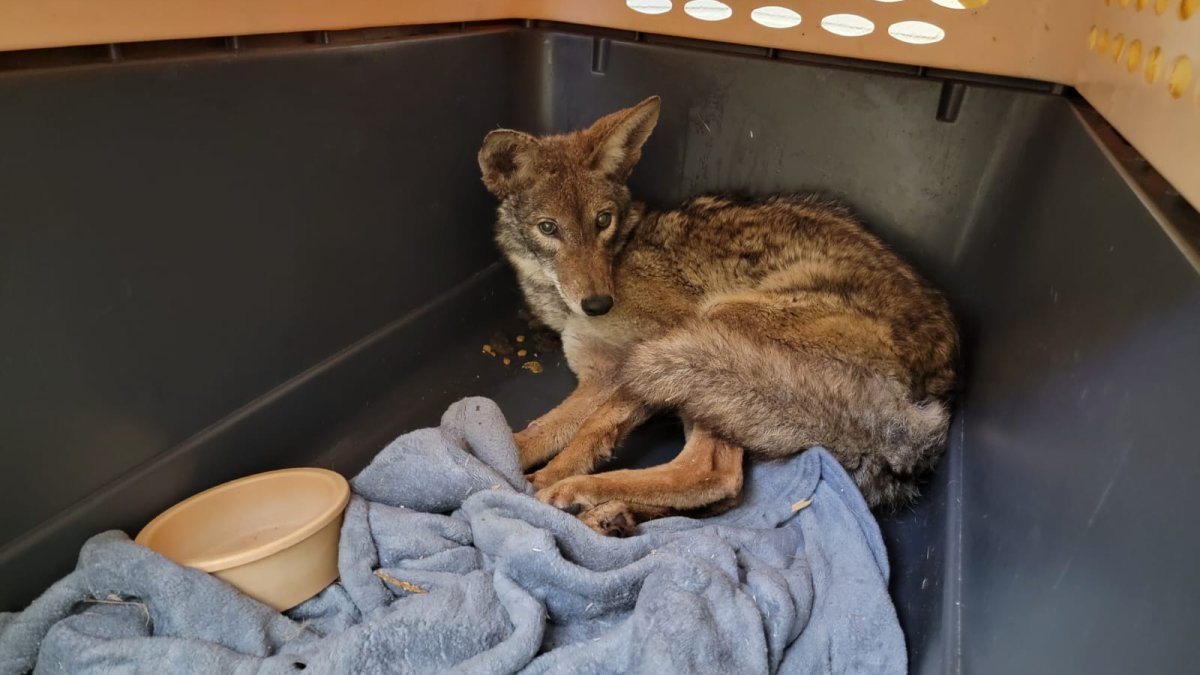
(770, 326)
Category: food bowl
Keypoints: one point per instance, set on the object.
(273, 535)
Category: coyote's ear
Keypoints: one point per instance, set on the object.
(504, 160)
(619, 137)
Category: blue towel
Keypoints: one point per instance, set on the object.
(449, 565)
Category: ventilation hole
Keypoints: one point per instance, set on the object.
(1093, 37)
(1187, 8)
(1154, 65)
(961, 4)
(775, 17)
(1135, 56)
(1180, 77)
(299, 665)
(848, 25)
(1160, 6)
(1118, 47)
(916, 32)
(1102, 42)
(649, 6)
(708, 10)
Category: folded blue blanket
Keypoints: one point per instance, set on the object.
(449, 565)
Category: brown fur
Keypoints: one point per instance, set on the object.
(772, 326)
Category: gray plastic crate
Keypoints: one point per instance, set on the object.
(217, 264)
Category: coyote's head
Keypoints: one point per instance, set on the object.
(564, 203)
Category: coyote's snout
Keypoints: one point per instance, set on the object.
(770, 327)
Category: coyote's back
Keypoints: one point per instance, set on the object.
(801, 329)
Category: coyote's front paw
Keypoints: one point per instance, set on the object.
(535, 444)
(544, 478)
(611, 519)
(560, 468)
(569, 494)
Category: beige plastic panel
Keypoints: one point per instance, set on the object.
(32, 24)
(1005, 37)
(1021, 38)
(1041, 39)
(1142, 72)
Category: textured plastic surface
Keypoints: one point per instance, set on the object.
(1057, 535)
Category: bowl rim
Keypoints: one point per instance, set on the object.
(267, 548)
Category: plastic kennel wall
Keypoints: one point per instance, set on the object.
(238, 236)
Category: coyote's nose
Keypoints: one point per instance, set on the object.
(597, 305)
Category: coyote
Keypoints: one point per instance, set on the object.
(769, 326)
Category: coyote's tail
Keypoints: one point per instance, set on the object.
(776, 401)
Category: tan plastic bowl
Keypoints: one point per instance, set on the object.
(273, 535)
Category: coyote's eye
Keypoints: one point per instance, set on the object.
(548, 227)
(603, 220)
